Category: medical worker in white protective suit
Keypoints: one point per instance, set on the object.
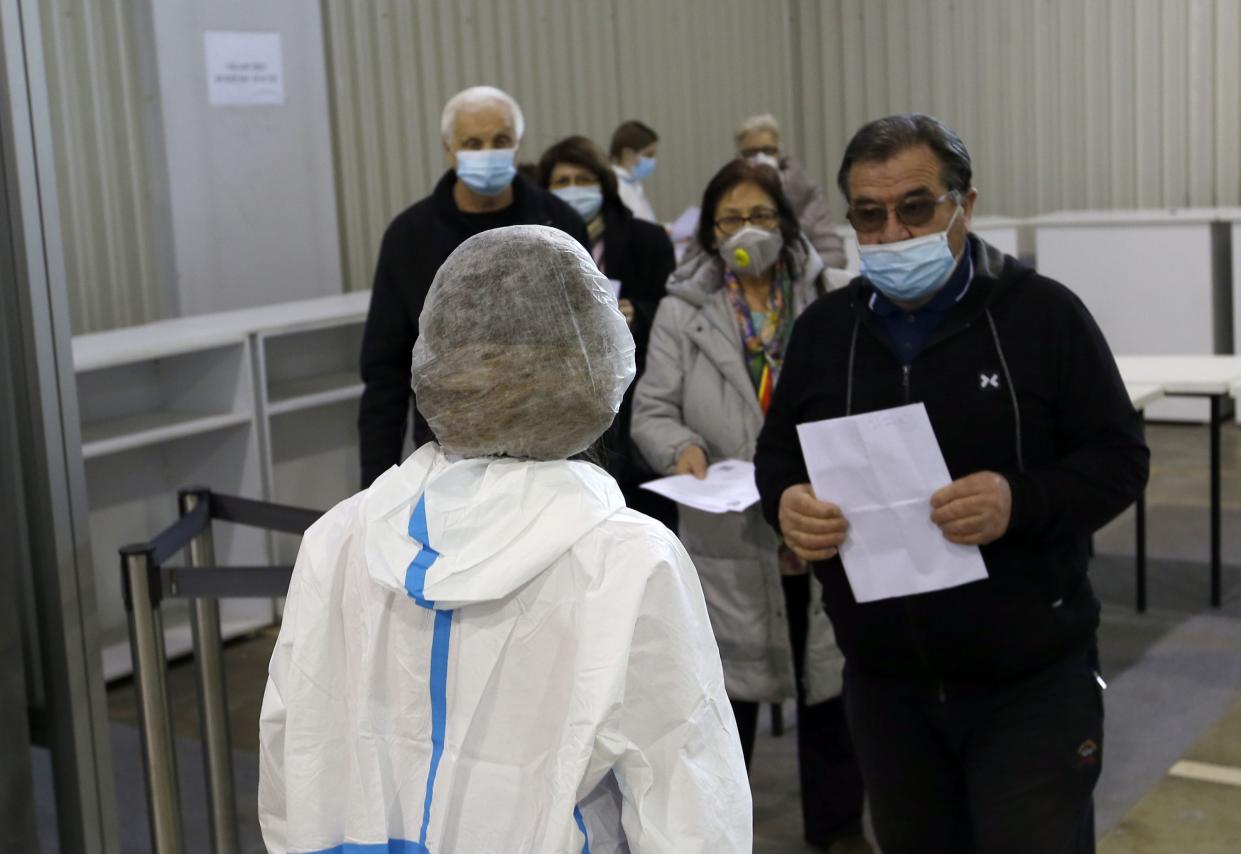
(486, 651)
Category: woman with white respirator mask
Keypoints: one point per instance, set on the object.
(712, 365)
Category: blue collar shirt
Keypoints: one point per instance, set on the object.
(910, 331)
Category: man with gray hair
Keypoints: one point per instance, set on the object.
(481, 129)
(976, 711)
(758, 140)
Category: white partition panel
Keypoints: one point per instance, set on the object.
(1150, 278)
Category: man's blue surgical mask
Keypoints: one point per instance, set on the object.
(487, 172)
(585, 200)
(911, 269)
(643, 169)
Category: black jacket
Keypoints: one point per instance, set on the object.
(416, 243)
(1076, 460)
(639, 255)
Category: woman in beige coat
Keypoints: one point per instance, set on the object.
(713, 359)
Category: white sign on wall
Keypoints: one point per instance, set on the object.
(244, 69)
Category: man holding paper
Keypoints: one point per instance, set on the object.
(973, 693)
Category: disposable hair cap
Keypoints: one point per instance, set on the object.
(522, 350)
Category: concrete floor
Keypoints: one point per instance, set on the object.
(1174, 673)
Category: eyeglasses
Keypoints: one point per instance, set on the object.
(770, 150)
(761, 217)
(912, 212)
(573, 181)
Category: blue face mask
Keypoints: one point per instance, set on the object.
(645, 166)
(585, 200)
(487, 172)
(911, 269)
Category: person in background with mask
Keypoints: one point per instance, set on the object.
(485, 651)
(977, 711)
(481, 130)
(713, 361)
(637, 257)
(633, 150)
(758, 141)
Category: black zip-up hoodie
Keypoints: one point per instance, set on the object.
(1074, 459)
(416, 243)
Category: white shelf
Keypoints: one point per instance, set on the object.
(194, 400)
(128, 432)
(309, 392)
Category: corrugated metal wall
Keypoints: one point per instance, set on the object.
(99, 105)
(1064, 104)
(689, 68)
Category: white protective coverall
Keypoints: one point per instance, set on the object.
(488, 654)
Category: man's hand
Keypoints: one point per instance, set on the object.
(693, 460)
(626, 309)
(974, 510)
(813, 529)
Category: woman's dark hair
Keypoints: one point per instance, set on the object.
(631, 134)
(768, 180)
(579, 151)
(885, 138)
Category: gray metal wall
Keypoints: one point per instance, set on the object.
(105, 114)
(44, 500)
(688, 68)
(1064, 103)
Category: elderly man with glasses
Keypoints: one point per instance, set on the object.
(977, 710)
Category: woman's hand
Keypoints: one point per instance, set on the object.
(693, 460)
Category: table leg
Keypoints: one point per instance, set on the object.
(1140, 528)
(1216, 423)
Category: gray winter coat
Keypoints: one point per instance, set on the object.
(813, 214)
(696, 391)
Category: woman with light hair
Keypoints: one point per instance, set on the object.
(485, 651)
(758, 140)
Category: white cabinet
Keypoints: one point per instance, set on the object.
(308, 391)
(156, 418)
(260, 403)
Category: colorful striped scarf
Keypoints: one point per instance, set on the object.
(764, 348)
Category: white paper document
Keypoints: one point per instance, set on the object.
(729, 487)
(683, 227)
(881, 469)
(244, 69)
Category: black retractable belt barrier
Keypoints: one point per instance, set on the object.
(146, 582)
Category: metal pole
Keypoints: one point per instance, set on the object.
(1216, 558)
(212, 701)
(154, 722)
(1141, 551)
(1140, 527)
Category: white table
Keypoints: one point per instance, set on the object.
(1212, 377)
(1141, 396)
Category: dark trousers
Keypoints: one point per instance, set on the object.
(1005, 769)
(831, 784)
